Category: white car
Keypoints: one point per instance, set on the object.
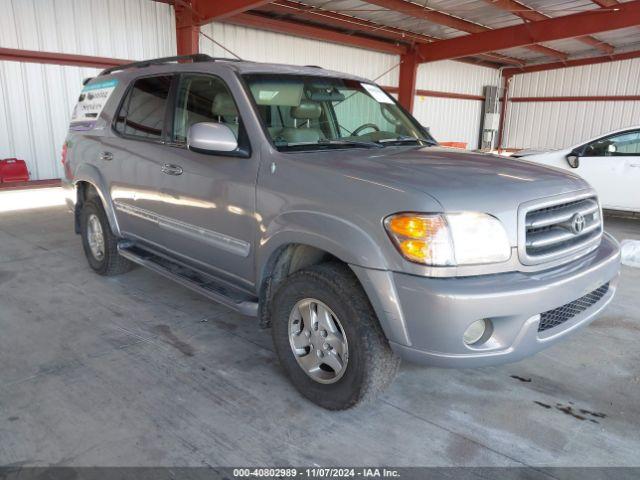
(610, 163)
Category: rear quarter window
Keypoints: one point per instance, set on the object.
(91, 101)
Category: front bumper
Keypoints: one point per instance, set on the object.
(425, 318)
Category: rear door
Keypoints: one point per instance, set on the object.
(136, 155)
(612, 166)
(210, 198)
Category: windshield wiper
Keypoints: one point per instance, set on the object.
(327, 142)
(405, 139)
(359, 143)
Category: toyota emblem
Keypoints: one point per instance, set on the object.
(577, 223)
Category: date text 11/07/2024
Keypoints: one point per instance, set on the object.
(316, 472)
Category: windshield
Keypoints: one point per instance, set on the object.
(304, 112)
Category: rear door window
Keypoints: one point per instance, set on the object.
(143, 112)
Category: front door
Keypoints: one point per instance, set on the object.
(210, 198)
(612, 166)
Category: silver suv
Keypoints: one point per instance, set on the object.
(311, 200)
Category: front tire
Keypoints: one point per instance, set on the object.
(328, 338)
(99, 243)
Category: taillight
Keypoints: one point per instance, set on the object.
(63, 158)
(64, 153)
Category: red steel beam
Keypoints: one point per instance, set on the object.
(447, 20)
(451, 95)
(299, 10)
(339, 20)
(529, 14)
(568, 26)
(586, 98)
(187, 29)
(437, 94)
(317, 33)
(605, 3)
(502, 120)
(187, 40)
(407, 80)
(52, 58)
(210, 10)
(572, 63)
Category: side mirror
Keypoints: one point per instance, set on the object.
(573, 160)
(211, 137)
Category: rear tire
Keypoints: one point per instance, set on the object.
(99, 243)
(331, 291)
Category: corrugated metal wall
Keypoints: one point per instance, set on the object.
(263, 46)
(560, 124)
(36, 100)
(453, 120)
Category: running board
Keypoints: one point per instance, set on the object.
(197, 281)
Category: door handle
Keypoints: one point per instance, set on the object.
(170, 169)
(106, 156)
(635, 165)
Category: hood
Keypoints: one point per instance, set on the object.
(457, 180)
(532, 151)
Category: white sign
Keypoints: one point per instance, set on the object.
(377, 93)
(92, 100)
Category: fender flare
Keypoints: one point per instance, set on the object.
(90, 174)
(310, 228)
(349, 244)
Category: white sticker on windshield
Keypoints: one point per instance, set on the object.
(92, 100)
(377, 93)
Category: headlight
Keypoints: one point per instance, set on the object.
(464, 238)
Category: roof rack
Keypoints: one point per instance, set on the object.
(198, 57)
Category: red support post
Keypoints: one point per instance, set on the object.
(506, 80)
(187, 29)
(407, 82)
(187, 40)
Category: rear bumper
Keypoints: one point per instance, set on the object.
(425, 318)
(69, 190)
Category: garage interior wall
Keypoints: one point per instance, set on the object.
(558, 124)
(36, 100)
(263, 46)
(453, 119)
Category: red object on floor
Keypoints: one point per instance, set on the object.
(13, 170)
(462, 145)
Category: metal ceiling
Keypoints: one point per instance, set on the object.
(483, 14)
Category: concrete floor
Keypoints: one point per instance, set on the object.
(138, 371)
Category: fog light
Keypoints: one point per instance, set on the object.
(475, 332)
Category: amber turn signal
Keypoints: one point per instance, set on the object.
(413, 226)
(415, 250)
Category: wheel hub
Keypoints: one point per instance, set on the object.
(318, 341)
(95, 237)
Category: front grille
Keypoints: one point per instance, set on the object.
(558, 316)
(556, 230)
